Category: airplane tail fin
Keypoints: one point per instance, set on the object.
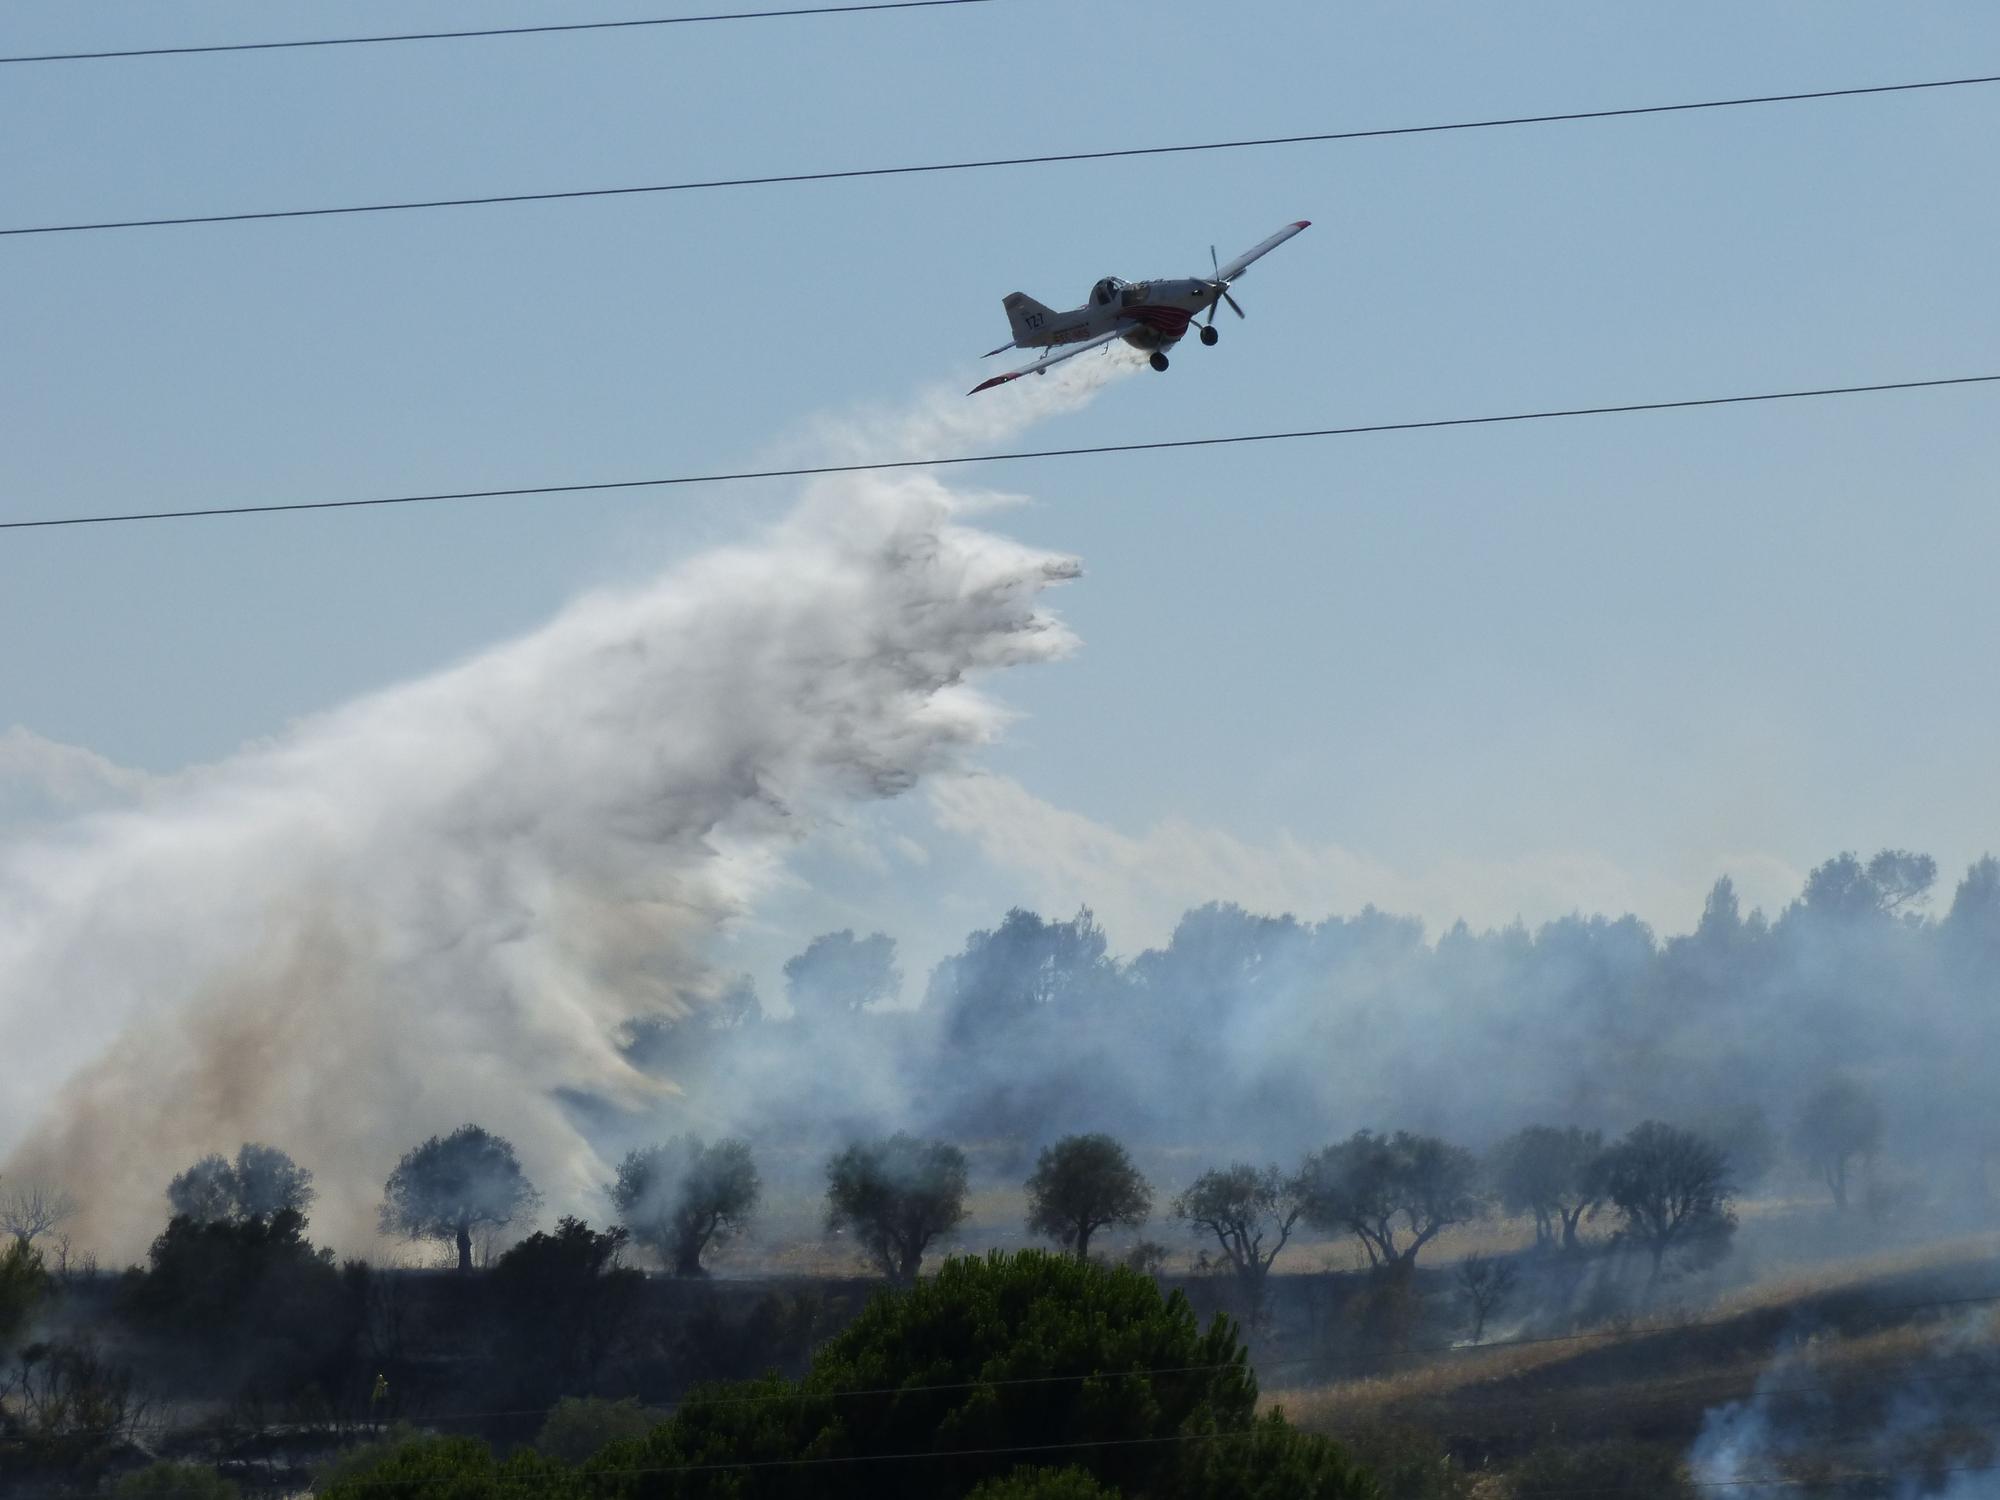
(1028, 318)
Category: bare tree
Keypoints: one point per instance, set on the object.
(67, 1398)
(29, 1210)
(1672, 1188)
(1251, 1212)
(1084, 1183)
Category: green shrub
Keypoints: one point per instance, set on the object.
(1043, 1484)
(459, 1468)
(578, 1426)
(1632, 1470)
(942, 1389)
(1271, 1460)
(1409, 1462)
(361, 1460)
(23, 1284)
(987, 1364)
(171, 1481)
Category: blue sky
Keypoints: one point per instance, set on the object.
(1639, 650)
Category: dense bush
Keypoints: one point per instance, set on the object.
(565, 1305)
(23, 1284)
(1639, 1471)
(172, 1481)
(1271, 1460)
(248, 1303)
(579, 1426)
(211, 1279)
(1043, 1484)
(952, 1388)
(457, 1467)
(67, 1411)
(983, 1366)
(1408, 1462)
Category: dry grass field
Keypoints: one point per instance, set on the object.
(1845, 1340)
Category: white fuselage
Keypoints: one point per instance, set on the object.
(1151, 315)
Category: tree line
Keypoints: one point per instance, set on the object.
(1253, 1028)
(894, 1196)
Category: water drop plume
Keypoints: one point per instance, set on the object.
(441, 902)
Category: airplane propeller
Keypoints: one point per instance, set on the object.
(1221, 290)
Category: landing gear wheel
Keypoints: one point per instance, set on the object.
(1159, 361)
(1209, 336)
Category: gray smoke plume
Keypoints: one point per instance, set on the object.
(444, 902)
(1925, 1426)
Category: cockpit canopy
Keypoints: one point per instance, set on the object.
(1106, 291)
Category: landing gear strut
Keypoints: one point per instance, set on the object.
(1159, 361)
(1209, 336)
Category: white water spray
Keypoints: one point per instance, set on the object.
(440, 903)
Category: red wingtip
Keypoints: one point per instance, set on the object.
(987, 385)
(1302, 224)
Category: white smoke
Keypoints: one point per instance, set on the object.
(441, 903)
(1803, 1415)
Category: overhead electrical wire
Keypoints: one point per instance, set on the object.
(1899, 1375)
(985, 164)
(1904, 1374)
(812, 471)
(1899, 1378)
(591, 1478)
(486, 31)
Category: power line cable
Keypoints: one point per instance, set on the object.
(823, 470)
(1896, 1378)
(1076, 1446)
(452, 36)
(706, 184)
(1904, 1374)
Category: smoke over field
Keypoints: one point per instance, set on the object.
(445, 901)
(495, 895)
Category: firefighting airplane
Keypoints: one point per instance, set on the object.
(1151, 315)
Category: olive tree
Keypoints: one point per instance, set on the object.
(1483, 1285)
(1379, 1188)
(681, 1197)
(1084, 1183)
(261, 1183)
(1552, 1174)
(897, 1195)
(1250, 1212)
(838, 973)
(205, 1192)
(1840, 1123)
(1672, 1189)
(450, 1186)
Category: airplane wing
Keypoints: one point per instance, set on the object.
(1068, 351)
(1230, 270)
